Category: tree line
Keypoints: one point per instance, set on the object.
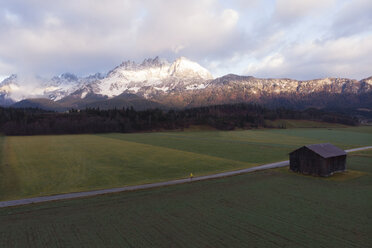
(28, 121)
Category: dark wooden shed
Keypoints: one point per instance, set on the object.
(318, 159)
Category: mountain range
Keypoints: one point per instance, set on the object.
(156, 83)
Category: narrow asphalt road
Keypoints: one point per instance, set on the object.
(148, 186)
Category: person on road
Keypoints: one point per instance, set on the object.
(191, 176)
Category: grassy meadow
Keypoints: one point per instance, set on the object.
(301, 124)
(44, 165)
(272, 208)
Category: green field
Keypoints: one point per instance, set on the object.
(44, 165)
(301, 124)
(273, 208)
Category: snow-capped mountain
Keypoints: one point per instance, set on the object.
(319, 93)
(7, 86)
(153, 76)
(150, 77)
(181, 83)
(66, 84)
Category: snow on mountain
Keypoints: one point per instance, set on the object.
(8, 85)
(157, 74)
(11, 89)
(60, 86)
(183, 68)
(18, 88)
(66, 84)
(151, 77)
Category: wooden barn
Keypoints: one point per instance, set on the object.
(318, 159)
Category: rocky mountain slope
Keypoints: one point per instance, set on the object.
(183, 83)
(277, 92)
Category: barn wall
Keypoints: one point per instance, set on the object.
(306, 161)
(326, 168)
(337, 164)
(294, 161)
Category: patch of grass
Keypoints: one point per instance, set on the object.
(8, 176)
(343, 137)
(76, 163)
(273, 208)
(195, 128)
(364, 153)
(346, 175)
(361, 129)
(2, 143)
(44, 165)
(227, 145)
(283, 123)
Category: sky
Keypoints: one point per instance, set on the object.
(299, 39)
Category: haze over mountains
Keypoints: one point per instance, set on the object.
(183, 83)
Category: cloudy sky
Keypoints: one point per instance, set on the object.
(301, 39)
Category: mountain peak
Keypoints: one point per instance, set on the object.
(147, 63)
(159, 69)
(96, 76)
(183, 67)
(127, 64)
(11, 79)
(69, 77)
(155, 62)
(367, 80)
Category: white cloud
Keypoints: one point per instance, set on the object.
(6, 69)
(176, 49)
(30, 88)
(11, 18)
(294, 9)
(194, 27)
(332, 58)
(230, 18)
(287, 38)
(52, 21)
(82, 35)
(354, 17)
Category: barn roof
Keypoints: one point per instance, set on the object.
(326, 150)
